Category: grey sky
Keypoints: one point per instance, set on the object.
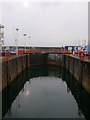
(48, 23)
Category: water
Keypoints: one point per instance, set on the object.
(45, 92)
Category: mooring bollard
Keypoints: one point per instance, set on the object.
(81, 55)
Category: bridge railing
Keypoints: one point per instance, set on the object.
(78, 53)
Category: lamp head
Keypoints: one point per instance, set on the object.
(17, 29)
(24, 34)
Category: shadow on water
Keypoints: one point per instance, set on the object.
(10, 93)
(80, 95)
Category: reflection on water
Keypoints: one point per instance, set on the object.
(80, 95)
(45, 92)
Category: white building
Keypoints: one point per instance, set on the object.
(1, 36)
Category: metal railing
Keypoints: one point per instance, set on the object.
(78, 53)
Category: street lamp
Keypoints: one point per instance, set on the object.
(17, 41)
(29, 37)
(25, 39)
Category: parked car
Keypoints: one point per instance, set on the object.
(12, 52)
(2, 53)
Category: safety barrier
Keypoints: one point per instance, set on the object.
(7, 55)
(79, 53)
(82, 54)
(20, 52)
(69, 52)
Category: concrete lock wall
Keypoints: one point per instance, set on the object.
(4, 74)
(12, 68)
(19, 64)
(55, 59)
(80, 70)
(86, 75)
(72, 64)
(38, 59)
(76, 69)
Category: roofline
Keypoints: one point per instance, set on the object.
(2, 26)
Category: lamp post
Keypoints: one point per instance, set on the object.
(17, 41)
(1, 36)
(29, 38)
(25, 39)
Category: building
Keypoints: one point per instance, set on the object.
(1, 36)
(73, 47)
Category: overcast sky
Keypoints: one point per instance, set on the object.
(47, 23)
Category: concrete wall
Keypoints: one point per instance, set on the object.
(19, 65)
(86, 75)
(76, 69)
(4, 74)
(24, 62)
(38, 59)
(72, 65)
(12, 68)
(55, 59)
(79, 69)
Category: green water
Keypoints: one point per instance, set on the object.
(45, 92)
